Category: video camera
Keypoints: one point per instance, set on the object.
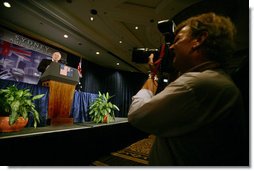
(140, 55)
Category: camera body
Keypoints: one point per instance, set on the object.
(167, 28)
(140, 55)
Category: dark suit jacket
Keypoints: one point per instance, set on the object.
(45, 63)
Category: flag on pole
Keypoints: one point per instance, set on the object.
(80, 68)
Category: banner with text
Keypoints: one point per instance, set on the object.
(20, 57)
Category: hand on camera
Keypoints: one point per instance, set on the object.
(152, 67)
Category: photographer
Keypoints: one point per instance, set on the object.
(198, 119)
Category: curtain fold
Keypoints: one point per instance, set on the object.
(120, 84)
(80, 105)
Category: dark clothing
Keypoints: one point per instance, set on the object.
(43, 65)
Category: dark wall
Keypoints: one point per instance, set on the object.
(236, 10)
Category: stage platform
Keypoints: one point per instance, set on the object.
(75, 145)
(30, 131)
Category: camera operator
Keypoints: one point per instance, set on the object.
(198, 119)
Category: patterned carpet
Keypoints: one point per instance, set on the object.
(137, 154)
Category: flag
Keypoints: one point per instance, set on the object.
(80, 68)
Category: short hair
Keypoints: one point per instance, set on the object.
(220, 44)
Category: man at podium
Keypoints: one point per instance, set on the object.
(56, 57)
(61, 81)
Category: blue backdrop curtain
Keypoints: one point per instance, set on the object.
(41, 105)
(81, 103)
(120, 84)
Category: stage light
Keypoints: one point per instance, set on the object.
(7, 4)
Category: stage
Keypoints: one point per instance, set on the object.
(31, 131)
(75, 145)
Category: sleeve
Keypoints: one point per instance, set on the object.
(171, 112)
(63, 62)
(43, 65)
(139, 99)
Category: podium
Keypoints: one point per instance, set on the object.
(61, 80)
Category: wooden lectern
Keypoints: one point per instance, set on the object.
(61, 80)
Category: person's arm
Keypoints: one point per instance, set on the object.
(43, 65)
(62, 62)
(148, 90)
(170, 112)
(151, 85)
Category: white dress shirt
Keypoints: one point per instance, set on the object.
(185, 115)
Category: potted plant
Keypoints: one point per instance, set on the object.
(15, 105)
(102, 110)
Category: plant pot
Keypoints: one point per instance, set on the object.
(108, 119)
(105, 119)
(17, 126)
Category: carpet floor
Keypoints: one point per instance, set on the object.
(137, 154)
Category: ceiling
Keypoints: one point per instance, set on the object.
(114, 21)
